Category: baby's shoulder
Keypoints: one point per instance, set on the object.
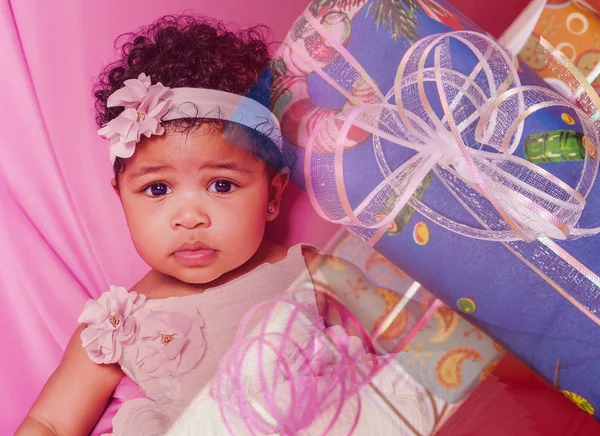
(151, 287)
(115, 295)
(139, 291)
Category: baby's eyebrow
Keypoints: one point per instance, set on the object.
(232, 166)
(150, 169)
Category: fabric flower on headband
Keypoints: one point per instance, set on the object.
(145, 105)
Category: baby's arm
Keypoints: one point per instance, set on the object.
(74, 397)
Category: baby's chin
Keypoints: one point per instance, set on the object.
(217, 272)
(194, 276)
(201, 276)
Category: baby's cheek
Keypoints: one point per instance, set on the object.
(148, 236)
(249, 218)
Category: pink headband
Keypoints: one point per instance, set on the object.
(147, 106)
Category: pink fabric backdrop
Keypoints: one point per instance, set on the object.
(62, 234)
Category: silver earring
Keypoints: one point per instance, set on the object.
(271, 209)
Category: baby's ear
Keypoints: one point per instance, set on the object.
(278, 185)
(284, 174)
(115, 186)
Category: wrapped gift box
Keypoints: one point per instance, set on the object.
(540, 299)
(572, 27)
(448, 355)
(442, 362)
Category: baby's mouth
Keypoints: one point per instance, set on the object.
(194, 254)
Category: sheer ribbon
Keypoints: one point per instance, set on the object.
(464, 126)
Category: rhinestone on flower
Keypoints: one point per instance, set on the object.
(166, 339)
(114, 321)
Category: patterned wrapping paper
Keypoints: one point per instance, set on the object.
(448, 356)
(572, 27)
(442, 363)
(499, 293)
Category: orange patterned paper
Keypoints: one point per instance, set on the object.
(448, 356)
(574, 28)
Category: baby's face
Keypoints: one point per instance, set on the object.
(195, 204)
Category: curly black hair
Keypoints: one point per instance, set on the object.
(199, 52)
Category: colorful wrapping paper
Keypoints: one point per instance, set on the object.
(442, 363)
(448, 356)
(572, 27)
(539, 299)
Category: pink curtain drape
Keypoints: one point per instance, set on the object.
(63, 238)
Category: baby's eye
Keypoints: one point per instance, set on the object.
(157, 190)
(222, 186)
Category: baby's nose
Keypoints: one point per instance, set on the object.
(189, 215)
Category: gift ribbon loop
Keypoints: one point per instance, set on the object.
(469, 143)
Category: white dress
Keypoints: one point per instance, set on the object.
(279, 372)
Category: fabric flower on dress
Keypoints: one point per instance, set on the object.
(171, 340)
(145, 105)
(110, 324)
(141, 417)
